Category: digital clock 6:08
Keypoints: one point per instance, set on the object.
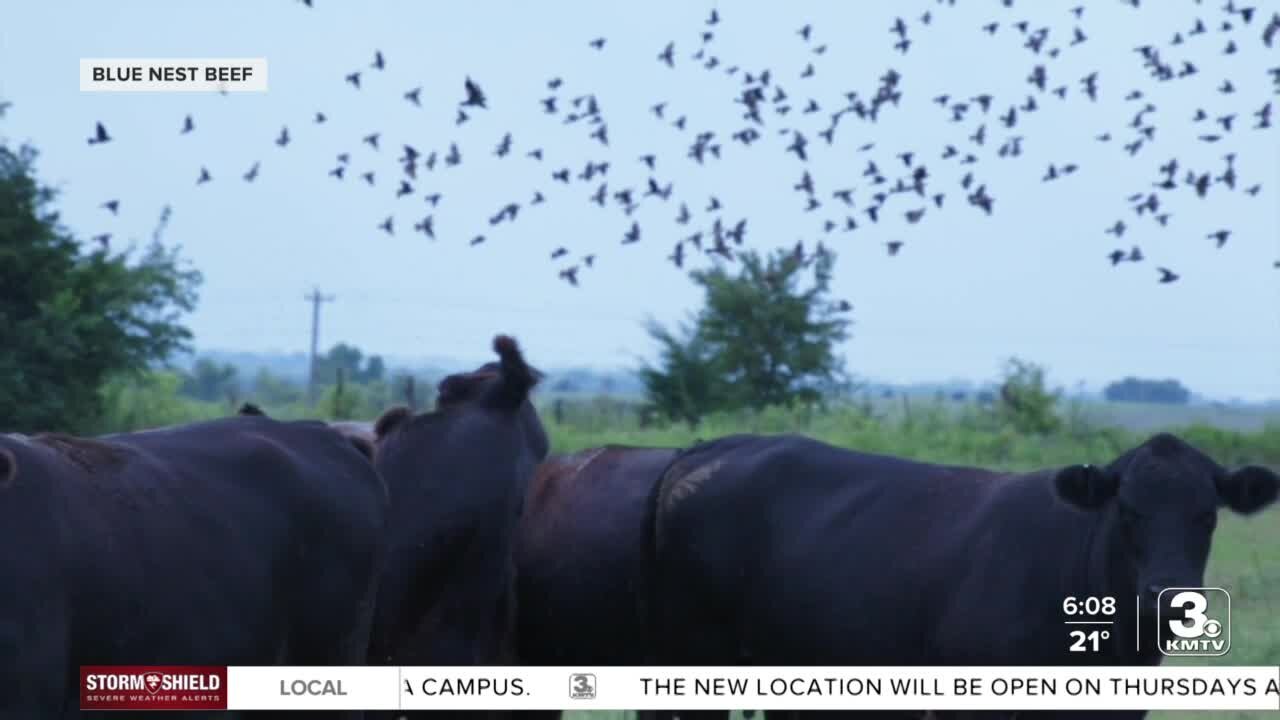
(1075, 607)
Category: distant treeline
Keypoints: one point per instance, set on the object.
(1132, 389)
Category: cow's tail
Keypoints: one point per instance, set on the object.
(515, 377)
(8, 468)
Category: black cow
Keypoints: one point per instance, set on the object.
(579, 557)
(240, 541)
(457, 478)
(787, 551)
(580, 562)
(360, 434)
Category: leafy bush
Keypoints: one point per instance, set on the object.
(1024, 401)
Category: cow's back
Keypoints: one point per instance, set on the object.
(241, 541)
(784, 550)
(579, 557)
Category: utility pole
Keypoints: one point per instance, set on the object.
(315, 298)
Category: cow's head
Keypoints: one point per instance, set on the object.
(460, 389)
(501, 387)
(1162, 498)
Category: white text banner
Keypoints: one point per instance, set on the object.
(759, 688)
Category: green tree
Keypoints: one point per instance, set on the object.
(1025, 402)
(272, 389)
(211, 381)
(348, 358)
(1132, 389)
(72, 319)
(688, 382)
(342, 400)
(150, 399)
(766, 335)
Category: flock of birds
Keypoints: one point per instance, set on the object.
(774, 110)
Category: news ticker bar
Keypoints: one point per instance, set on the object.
(689, 688)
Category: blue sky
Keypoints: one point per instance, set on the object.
(965, 292)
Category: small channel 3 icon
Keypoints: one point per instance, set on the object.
(582, 686)
(1198, 623)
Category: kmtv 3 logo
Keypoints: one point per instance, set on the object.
(582, 686)
(1196, 623)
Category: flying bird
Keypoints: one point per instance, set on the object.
(1167, 275)
(204, 176)
(798, 144)
(99, 135)
(426, 226)
(668, 54)
(252, 174)
(677, 255)
(475, 96)
(378, 63)
(187, 125)
(504, 146)
(112, 205)
(602, 134)
(1272, 30)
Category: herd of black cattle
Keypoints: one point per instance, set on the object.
(452, 538)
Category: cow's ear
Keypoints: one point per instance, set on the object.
(1088, 487)
(390, 420)
(250, 409)
(8, 467)
(1248, 489)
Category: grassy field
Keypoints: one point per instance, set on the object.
(1246, 552)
